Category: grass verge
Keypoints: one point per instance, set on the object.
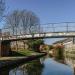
(23, 53)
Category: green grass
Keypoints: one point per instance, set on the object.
(23, 53)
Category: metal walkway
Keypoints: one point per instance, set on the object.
(52, 30)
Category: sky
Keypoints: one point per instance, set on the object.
(48, 11)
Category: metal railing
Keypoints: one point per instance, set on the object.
(64, 27)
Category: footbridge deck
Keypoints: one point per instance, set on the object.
(51, 30)
(39, 36)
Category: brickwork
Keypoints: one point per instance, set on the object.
(5, 48)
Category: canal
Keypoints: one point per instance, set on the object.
(42, 66)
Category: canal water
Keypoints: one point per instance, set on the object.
(42, 66)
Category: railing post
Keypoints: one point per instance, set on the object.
(73, 40)
(2, 37)
(16, 41)
(53, 27)
(67, 27)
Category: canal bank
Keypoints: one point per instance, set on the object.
(8, 62)
(40, 66)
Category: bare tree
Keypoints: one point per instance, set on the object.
(25, 20)
(29, 21)
(2, 8)
(12, 21)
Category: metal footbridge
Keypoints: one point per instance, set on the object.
(50, 30)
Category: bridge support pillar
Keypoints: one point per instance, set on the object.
(5, 48)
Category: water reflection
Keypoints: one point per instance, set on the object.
(70, 61)
(31, 68)
(54, 68)
(4, 72)
(42, 66)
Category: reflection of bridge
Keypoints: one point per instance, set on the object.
(53, 30)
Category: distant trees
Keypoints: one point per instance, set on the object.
(29, 21)
(35, 44)
(23, 22)
(12, 21)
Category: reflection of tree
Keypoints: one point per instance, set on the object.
(34, 68)
(18, 71)
(4, 72)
